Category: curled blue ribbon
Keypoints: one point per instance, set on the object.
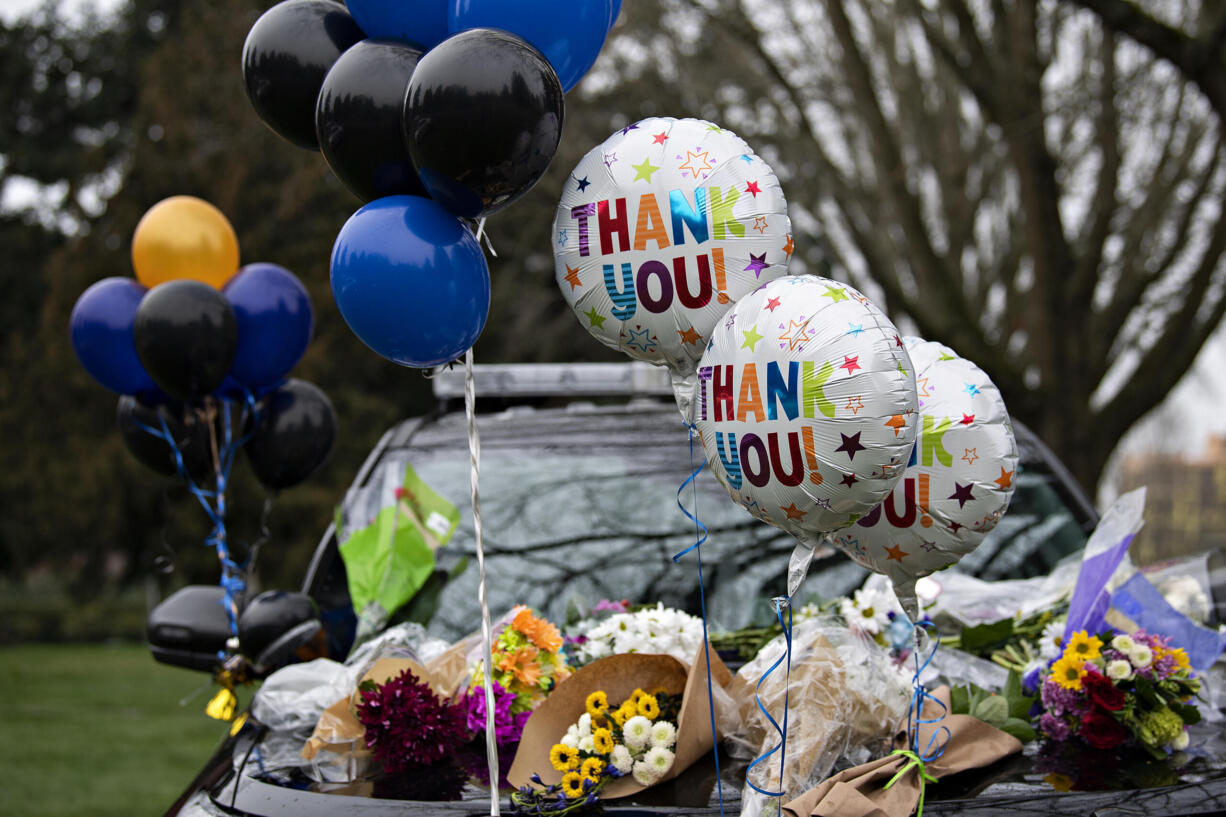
(781, 603)
(915, 711)
(700, 536)
(233, 580)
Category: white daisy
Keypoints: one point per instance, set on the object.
(621, 759)
(1119, 670)
(663, 734)
(659, 759)
(1123, 643)
(636, 732)
(1141, 656)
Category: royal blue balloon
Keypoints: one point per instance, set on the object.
(423, 22)
(615, 8)
(101, 330)
(411, 281)
(275, 321)
(570, 33)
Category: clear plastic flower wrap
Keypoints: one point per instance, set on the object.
(845, 698)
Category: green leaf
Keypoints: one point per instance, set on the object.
(993, 709)
(1189, 714)
(1020, 706)
(1013, 686)
(985, 637)
(1019, 728)
(960, 700)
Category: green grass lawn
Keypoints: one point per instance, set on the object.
(98, 730)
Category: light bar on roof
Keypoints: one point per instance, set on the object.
(556, 380)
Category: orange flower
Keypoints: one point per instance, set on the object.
(537, 630)
(522, 664)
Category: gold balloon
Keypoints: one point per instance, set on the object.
(184, 237)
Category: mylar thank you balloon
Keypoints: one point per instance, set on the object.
(482, 118)
(101, 331)
(291, 435)
(411, 281)
(184, 237)
(274, 317)
(570, 33)
(806, 407)
(660, 230)
(143, 429)
(286, 56)
(957, 483)
(186, 335)
(358, 119)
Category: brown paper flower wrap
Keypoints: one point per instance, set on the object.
(861, 791)
(340, 733)
(619, 676)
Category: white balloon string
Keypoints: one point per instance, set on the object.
(487, 646)
(482, 234)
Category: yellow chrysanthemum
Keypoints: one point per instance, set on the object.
(1181, 658)
(634, 696)
(602, 741)
(1059, 782)
(592, 769)
(1068, 672)
(597, 704)
(1083, 647)
(563, 757)
(572, 784)
(649, 707)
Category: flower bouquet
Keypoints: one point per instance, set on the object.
(528, 664)
(1107, 691)
(617, 726)
(655, 630)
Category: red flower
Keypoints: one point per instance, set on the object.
(1102, 692)
(1102, 731)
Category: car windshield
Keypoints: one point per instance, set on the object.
(580, 505)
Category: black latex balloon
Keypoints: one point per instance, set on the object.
(482, 118)
(187, 429)
(292, 435)
(186, 336)
(357, 119)
(287, 55)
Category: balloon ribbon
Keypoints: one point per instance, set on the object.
(700, 536)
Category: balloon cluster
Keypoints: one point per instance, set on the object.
(199, 351)
(429, 112)
(671, 243)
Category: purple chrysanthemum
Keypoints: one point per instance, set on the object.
(508, 727)
(407, 725)
(1054, 727)
(1061, 701)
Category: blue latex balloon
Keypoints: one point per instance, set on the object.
(569, 33)
(615, 8)
(423, 22)
(101, 330)
(411, 281)
(275, 321)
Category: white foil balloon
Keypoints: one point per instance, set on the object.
(958, 480)
(660, 229)
(807, 405)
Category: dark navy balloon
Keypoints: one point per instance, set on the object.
(411, 281)
(185, 335)
(482, 120)
(357, 119)
(286, 56)
(291, 435)
(275, 321)
(570, 33)
(422, 22)
(101, 331)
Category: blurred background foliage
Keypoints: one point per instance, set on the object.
(1037, 187)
